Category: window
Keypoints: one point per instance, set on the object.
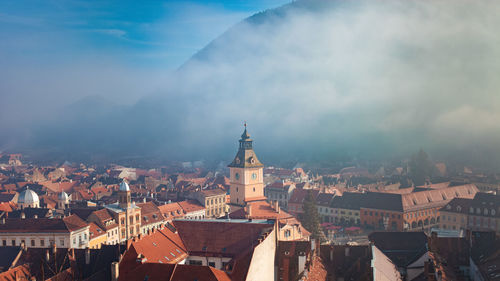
(4, 242)
(287, 233)
(32, 242)
(122, 221)
(42, 242)
(212, 264)
(85, 236)
(254, 191)
(74, 241)
(14, 242)
(61, 242)
(195, 262)
(131, 219)
(137, 218)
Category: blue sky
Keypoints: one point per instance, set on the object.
(150, 34)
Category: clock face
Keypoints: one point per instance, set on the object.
(254, 176)
(237, 176)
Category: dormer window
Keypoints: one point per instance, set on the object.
(492, 212)
(459, 209)
(478, 211)
(471, 210)
(485, 211)
(448, 207)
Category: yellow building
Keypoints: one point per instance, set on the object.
(98, 236)
(214, 201)
(126, 214)
(246, 174)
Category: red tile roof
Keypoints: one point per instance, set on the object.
(437, 197)
(161, 246)
(219, 238)
(171, 211)
(74, 222)
(41, 225)
(95, 231)
(173, 272)
(150, 213)
(190, 206)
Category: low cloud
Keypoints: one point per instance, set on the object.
(323, 78)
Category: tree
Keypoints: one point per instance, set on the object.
(310, 217)
(420, 168)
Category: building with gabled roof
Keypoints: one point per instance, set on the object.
(104, 219)
(289, 227)
(97, 236)
(70, 231)
(151, 216)
(421, 208)
(218, 249)
(482, 213)
(280, 191)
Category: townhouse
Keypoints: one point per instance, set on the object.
(68, 232)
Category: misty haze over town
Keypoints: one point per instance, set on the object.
(250, 140)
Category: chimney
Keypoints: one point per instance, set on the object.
(87, 256)
(115, 271)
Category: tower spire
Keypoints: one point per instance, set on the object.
(245, 135)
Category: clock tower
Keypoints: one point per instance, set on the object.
(246, 174)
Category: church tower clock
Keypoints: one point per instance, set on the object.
(246, 173)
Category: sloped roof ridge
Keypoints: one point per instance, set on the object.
(183, 247)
